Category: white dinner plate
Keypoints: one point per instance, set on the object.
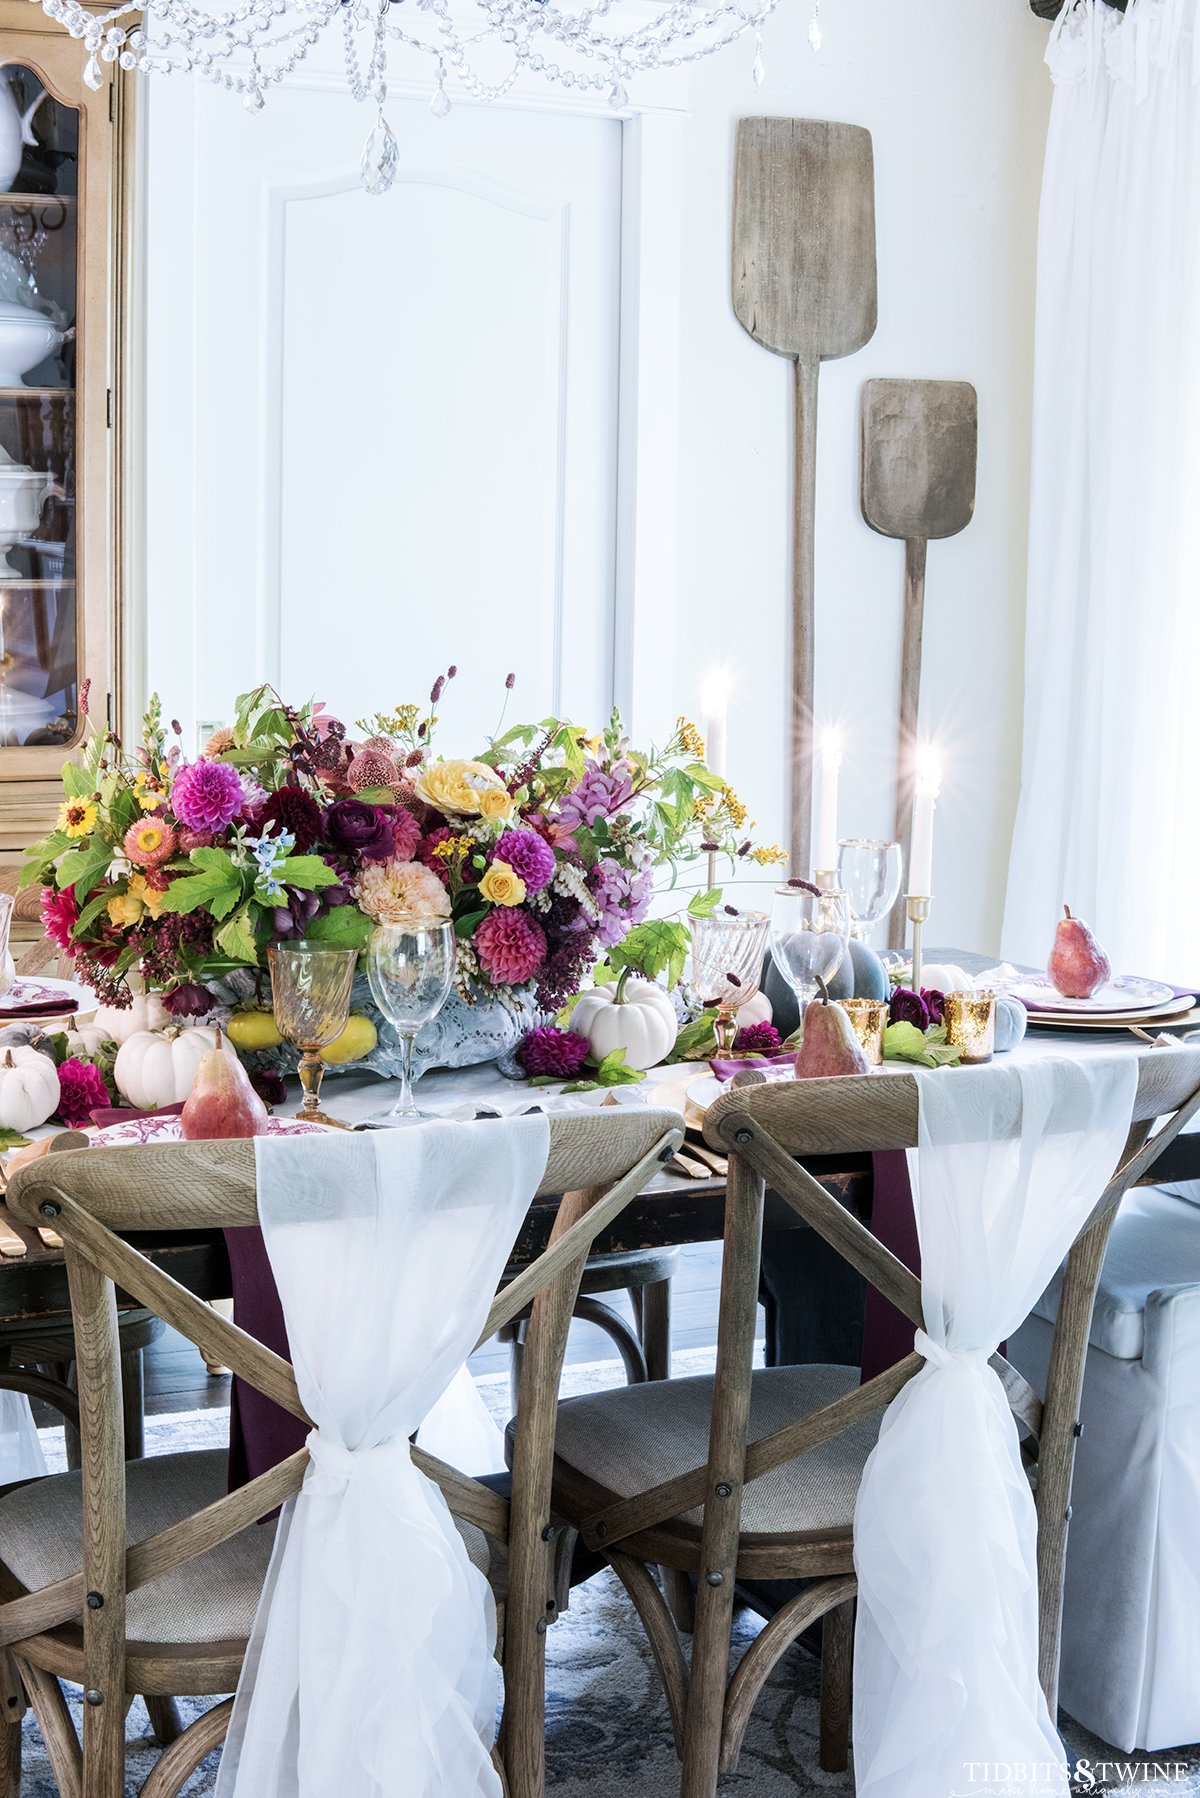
(36, 990)
(170, 1129)
(1129, 992)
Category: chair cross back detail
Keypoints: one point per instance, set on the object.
(599, 1161)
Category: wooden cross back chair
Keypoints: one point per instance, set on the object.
(753, 1475)
(144, 1577)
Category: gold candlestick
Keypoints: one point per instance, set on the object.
(918, 915)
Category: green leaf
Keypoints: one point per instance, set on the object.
(237, 937)
(91, 912)
(59, 1047)
(705, 904)
(905, 1042)
(76, 781)
(195, 890)
(612, 1071)
(697, 1041)
(12, 1139)
(375, 796)
(123, 811)
(84, 867)
(653, 948)
(467, 925)
(345, 927)
(308, 872)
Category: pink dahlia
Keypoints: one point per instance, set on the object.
(195, 839)
(81, 1090)
(511, 946)
(60, 914)
(207, 795)
(150, 842)
(560, 1053)
(406, 835)
(529, 857)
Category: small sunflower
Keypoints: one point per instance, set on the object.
(77, 817)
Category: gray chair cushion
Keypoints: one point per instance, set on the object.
(637, 1436)
(1155, 1242)
(210, 1599)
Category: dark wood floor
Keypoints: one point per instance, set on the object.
(176, 1379)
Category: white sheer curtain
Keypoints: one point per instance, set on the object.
(1011, 1160)
(21, 1456)
(371, 1669)
(1108, 820)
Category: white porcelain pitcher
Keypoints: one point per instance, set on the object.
(16, 130)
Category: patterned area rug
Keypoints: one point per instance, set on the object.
(607, 1729)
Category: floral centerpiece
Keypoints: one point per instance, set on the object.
(543, 849)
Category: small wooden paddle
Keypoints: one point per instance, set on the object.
(920, 447)
(804, 286)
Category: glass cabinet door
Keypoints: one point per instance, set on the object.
(62, 213)
(40, 671)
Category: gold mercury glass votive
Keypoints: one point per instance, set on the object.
(971, 1025)
(869, 1018)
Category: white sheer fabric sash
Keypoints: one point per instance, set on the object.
(371, 1668)
(1011, 1161)
(21, 1456)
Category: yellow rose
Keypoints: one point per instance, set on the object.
(497, 804)
(457, 786)
(149, 896)
(500, 886)
(124, 908)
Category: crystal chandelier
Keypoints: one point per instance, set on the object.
(253, 45)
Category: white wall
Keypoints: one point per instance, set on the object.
(956, 96)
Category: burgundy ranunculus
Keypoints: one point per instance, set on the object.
(270, 1086)
(908, 1007)
(362, 830)
(188, 1001)
(291, 808)
(935, 1004)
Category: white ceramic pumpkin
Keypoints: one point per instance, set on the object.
(29, 1089)
(158, 1067)
(946, 977)
(758, 1010)
(86, 1039)
(634, 1015)
(146, 1013)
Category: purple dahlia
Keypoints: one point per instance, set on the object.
(908, 1007)
(511, 946)
(294, 810)
(81, 1090)
(560, 1053)
(207, 795)
(529, 856)
(758, 1039)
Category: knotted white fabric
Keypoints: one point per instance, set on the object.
(371, 1669)
(1011, 1161)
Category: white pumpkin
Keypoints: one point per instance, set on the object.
(29, 1089)
(634, 1015)
(86, 1039)
(758, 1010)
(946, 977)
(146, 1013)
(158, 1067)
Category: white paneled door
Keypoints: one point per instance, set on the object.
(381, 431)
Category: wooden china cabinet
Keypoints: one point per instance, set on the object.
(65, 186)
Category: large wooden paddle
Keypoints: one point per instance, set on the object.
(804, 286)
(920, 445)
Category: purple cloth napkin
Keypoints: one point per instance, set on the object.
(104, 1115)
(887, 1333)
(725, 1070)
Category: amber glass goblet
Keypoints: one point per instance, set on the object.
(310, 996)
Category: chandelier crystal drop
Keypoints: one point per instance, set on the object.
(481, 46)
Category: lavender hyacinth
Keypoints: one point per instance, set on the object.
(623, 896)
(602, 793)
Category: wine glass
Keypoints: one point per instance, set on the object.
(728, 951)
(410, 964)
(870, 872)
(310, 996)
(809, 934)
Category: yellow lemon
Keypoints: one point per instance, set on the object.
(252, 1030)
(354, 1044)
